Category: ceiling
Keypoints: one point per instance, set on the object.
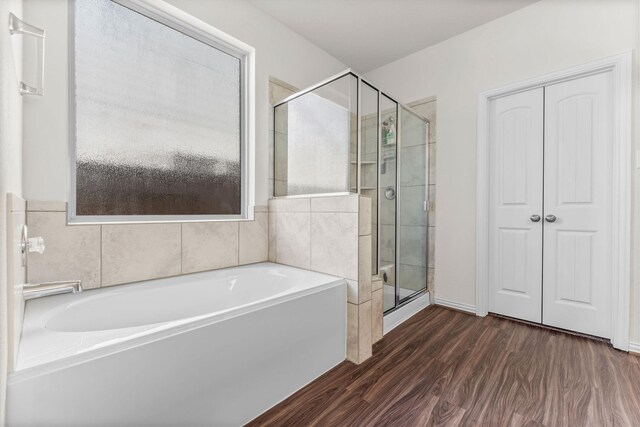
(365, 34)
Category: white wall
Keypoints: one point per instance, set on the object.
(10, 162)
(547, 36)
(279, 52)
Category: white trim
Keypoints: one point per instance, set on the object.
(467, 308)
(634, 347)
(397, 317)
(620, 66)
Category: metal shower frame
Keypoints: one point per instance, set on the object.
(399, 302)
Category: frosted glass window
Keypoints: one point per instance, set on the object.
(157, 118)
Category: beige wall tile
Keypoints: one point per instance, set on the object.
(433, 153)
(278, 92)
(72, 252)
(281, 155)
(261, 208)
(293, 243)
(271, 146)
(352, 333)
(271, 117)
(376, 316)
(431, 279)
(281, 118)
(365, 215)
(431, 242)
(136, 252)
(412, 167)
(364, 269)
(271, 188)
(334, 244)
(209, 245)
(253, 240)
(290, 205)
(364, 331)
(369, 176)
(432, 205)
(272, 236)
(34, 205)
(280, 188)
(352, 291)
(335, 204)
(376, 283)
(428, 111)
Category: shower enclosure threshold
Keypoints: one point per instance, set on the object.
(404, 312)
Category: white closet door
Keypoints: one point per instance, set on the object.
(577, 192)
(515, 234)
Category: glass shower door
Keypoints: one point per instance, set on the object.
(412, 205)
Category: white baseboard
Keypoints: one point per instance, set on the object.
(634, 347)
(395, 318)
(468, 308)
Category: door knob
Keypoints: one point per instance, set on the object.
(550, 218)
(535, 218)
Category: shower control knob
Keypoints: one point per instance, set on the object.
(390, 193)
(535, 218)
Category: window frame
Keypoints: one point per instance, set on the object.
(193, 27)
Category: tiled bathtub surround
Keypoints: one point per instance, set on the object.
(332, 235)
(104, 255)
(327, 234)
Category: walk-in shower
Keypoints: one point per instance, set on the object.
(344, 135)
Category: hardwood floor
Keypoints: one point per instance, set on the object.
(448, 368)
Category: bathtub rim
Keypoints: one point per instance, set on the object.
(172, 328)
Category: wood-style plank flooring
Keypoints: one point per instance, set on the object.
(448, 368)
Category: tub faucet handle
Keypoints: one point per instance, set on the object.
(35, 244)
(30, 244)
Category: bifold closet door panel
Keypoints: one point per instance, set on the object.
(577, 205)
(515, 226)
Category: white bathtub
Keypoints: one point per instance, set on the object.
(215, 348)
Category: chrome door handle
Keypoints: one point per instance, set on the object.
(550, 218)
(535, 218)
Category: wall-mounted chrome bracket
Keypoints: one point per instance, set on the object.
(19, 27)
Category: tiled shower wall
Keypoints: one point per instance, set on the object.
(278, 90)
(333, 235)
(105, 255)
(427, 109)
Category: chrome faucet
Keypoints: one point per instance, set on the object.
(46, 289)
